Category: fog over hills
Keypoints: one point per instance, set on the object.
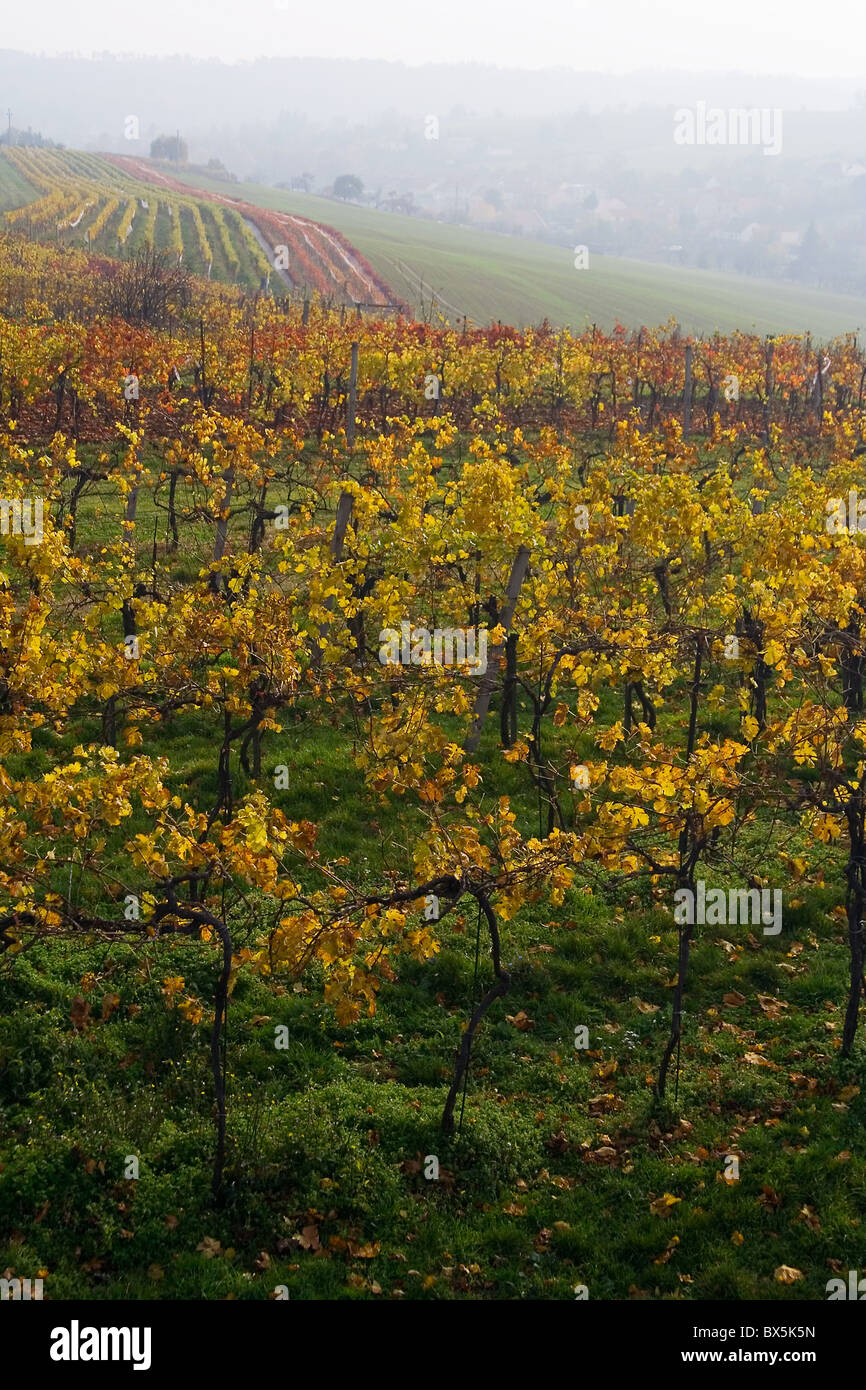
(86, 97)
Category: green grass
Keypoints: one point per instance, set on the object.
(15, 191)
(492, 277)
(550, 1181)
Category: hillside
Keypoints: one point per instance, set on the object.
(493, 277)
(116, 206)
(252, 235)
(15, 190)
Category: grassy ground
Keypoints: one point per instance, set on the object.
(490, 277)
(553, 1179)
(564, 1172)
(15, 191)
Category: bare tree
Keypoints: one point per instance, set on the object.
(148, 288)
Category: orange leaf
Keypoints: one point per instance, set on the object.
(520, 1020)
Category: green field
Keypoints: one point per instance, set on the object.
(15, 191)
(491, 277)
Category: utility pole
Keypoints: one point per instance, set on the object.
(9, 118)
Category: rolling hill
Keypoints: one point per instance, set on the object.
(492, 277)
(116, 206)
(251, 235)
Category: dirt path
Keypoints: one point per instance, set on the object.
(268, 250)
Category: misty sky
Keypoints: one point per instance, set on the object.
(757, 36)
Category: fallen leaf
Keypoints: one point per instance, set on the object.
(557, 1143)
(109, 1004)
(669, 1249)
(808, 1215)
(661, 1205)
(309, 1238)
(771, 1007)
(643, 1007)
(604, 1154)
(756, 1060)
(79, 1012)
(364, 1252)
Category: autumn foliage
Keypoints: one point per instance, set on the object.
(678, 677)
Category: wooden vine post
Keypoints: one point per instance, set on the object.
(222, 529)
(494, 659)
(344, 512)
(352, 398)
(687, 393)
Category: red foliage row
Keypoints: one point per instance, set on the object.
(362, 263)
(288, 228)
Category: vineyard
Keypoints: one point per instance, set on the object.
(433, 830)
(115, 206)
